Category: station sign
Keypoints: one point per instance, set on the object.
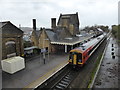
(43, 50)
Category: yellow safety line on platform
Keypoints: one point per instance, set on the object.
(37, 82)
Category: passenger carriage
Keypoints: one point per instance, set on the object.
(80, 55)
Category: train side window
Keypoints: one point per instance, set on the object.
(90, 51)
(79, 57)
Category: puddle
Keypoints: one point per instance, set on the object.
(107, 80)
(108, 63)
(98, 83)
(109, 71)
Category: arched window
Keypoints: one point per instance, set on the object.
(10, 48)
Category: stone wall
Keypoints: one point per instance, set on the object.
(44, 41)
(10, 33)
(34, 39)
(19, 46)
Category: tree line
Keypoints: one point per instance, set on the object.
(116, 32)
(104, 28)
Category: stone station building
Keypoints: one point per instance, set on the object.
(61, 37)
(12, 42)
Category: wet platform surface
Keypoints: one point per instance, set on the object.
(35, 71)
(108, 74)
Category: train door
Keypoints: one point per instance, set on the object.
(74, 59)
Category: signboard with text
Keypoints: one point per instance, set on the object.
(43, 50)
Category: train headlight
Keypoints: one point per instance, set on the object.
(80, 60)
(70, 60)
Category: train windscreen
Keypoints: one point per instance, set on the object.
(78, 56)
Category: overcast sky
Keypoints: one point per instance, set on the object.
(91, 12)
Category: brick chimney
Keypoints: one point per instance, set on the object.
(34, 24)
(53, 23)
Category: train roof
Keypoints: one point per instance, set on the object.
(88, 44)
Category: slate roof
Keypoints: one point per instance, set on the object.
(67, 40)
(70, 41)
(37, 32)
(62, 37)
(62, 33)
(3, 23)
(50, 34)
(9, 28)
(58, 36)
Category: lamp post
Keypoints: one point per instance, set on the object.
(44, 50)
(48, 48)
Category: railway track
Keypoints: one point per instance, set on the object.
(60, 81)
(65, 81)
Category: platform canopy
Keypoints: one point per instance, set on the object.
(70, 42)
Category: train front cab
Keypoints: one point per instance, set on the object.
(75, 59)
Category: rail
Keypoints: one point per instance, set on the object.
(65, 81)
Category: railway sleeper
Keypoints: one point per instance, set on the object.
(67, 77)
(59, 87)
(63, 85)
(64, 82)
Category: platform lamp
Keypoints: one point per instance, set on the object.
(44, 50)
(48, 47)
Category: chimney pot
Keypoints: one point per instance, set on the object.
(53, 23)
(34, 24)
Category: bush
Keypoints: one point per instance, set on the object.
(27, 44)
(115, 31)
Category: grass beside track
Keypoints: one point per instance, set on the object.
(94, 70)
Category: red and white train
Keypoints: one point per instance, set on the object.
(80, 55)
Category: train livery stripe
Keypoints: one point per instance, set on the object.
(70, 60)
(74, 61)
(80, 63)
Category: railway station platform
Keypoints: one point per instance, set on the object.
(35, 72)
